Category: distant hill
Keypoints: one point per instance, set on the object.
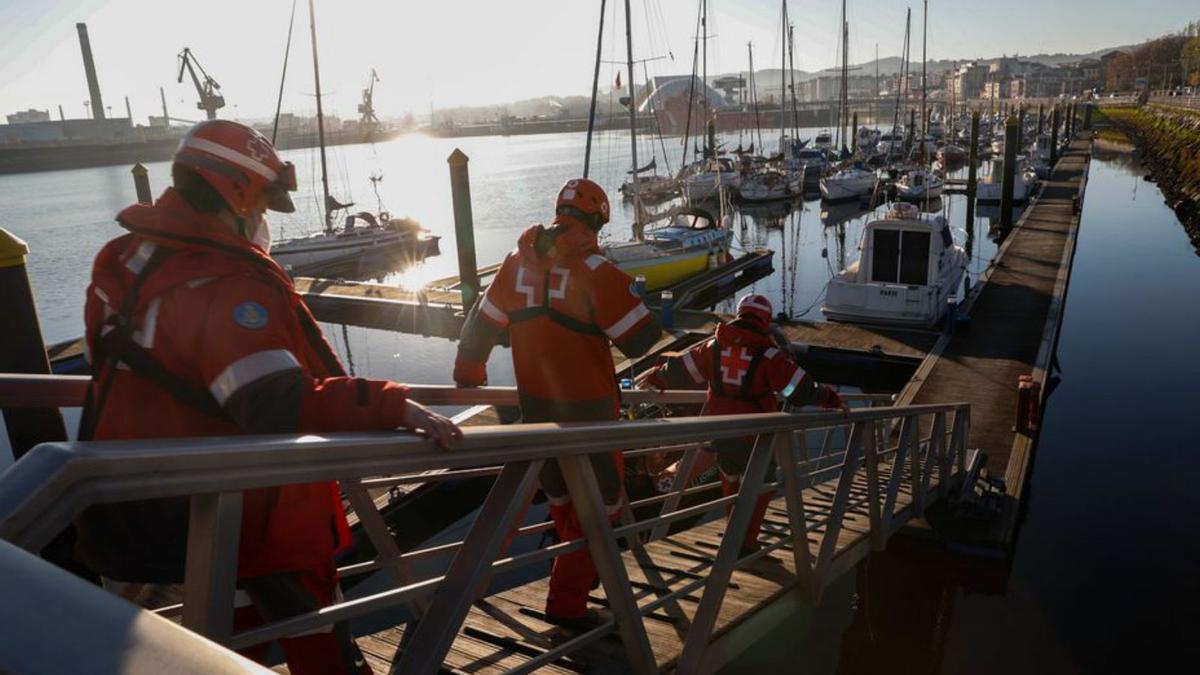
(891, 65)
(577, 106)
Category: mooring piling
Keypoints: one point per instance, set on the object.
(464, 228)
(1012, 134)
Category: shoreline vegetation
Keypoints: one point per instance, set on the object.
(1168, 142)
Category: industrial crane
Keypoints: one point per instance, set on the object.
(209, 91)
(367, 107)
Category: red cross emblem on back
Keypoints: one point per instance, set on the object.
(735, 361)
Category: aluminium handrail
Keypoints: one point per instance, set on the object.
(19, 390)
(53, 482)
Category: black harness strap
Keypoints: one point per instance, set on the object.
(114, 344)
(544, 309)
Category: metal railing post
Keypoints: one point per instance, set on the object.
(686, 463)
(936, 457)
(210, 575)
(905, 451)
(837, 509)
(705, 619)
(602, 544)
(787, 456)
(871, 464)
(469, 571)
(387, 552)
(958, 439)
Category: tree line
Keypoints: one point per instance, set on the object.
(1165, 62)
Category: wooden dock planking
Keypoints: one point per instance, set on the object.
(981, 366)
(488, 645)
(1009, 324)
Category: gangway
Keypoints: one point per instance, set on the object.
(842, 483)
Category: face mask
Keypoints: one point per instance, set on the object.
(261, 237)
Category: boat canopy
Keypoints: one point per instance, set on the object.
(899, 248)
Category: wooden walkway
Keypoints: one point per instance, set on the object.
(1015, 313)
(490, 642)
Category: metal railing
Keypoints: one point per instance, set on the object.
(885, 449)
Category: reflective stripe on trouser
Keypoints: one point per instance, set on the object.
(574, 574)
(329, 650)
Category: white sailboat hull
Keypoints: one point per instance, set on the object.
(838, 186)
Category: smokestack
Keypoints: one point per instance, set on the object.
(89, 66)
(128, 111)
(61, 116)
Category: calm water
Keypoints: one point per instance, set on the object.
(1105, 575)
(67, 216)
(1106, 571)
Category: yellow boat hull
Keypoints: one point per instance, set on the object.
(663, 272)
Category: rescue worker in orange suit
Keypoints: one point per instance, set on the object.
(563, 303)
(746, 371)
(193, 330)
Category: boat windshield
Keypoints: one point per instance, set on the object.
(900, 256)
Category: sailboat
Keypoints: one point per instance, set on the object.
(361, 232)
(692, 241)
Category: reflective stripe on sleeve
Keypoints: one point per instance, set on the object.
(793, 383)
(140, 257)
(145, 336)
(250, 368)
(595, 260)
(691, 368)
(493, 312)
(619, 328)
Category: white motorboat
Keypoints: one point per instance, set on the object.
(907, 268)
(890, 145)
(990, 189)
(769, 185)
(380, 235)
(823, 141)
(1041, 156)
(919, 185)
(866, 139)
(850, 183)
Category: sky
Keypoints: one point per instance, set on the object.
(472, 52)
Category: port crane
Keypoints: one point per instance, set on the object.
(367, 107)
(209, 91)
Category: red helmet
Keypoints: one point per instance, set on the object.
(755, 306)
(583, 201)
(240, 164)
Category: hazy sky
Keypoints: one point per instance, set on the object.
(466, 52)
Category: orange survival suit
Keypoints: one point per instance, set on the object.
(745, 372)
(194, 331)
(562, 308)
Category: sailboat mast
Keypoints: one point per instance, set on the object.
(587, 153)
(312, 25)
(704, 75)
(637, 210)
(792, 77)
(845, 121)
(924, 65)
(783, 75)
(754, 96)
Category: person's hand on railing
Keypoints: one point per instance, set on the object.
(438, 428)
(831, 401)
